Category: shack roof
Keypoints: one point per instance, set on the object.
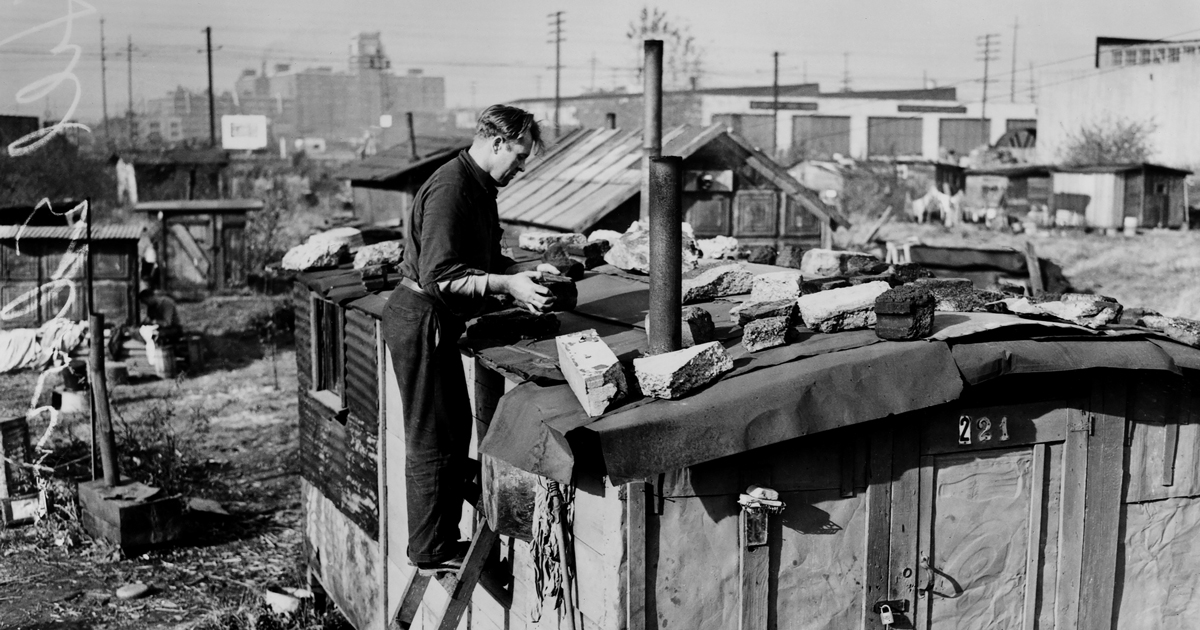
(200, 206)
(177, 157)
(1120, 168)
(396, 162)
(590, 172)
(62, 232)
(821, 382)
(1023, 170)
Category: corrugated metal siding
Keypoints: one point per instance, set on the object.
(362, 389)
(340, 460)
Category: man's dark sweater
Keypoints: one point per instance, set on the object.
(454, 232)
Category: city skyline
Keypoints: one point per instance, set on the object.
(489, 54)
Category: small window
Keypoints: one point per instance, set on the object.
(1145, 56)
(328, 352)
(1131, 57)
(1160, 54)
(1173, 55)
(1189, 50)
(1117, 57)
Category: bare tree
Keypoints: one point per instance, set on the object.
(683, 58)
(1109, 141)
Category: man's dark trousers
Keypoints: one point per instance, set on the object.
(423, 339)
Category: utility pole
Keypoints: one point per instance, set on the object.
(1032, 85)
(104, 84)
(593, 88)
(556, 24)
(989, 45)
(1013, 87)
(775, 107)
(212, 100)
(129, 112)
(846, 72)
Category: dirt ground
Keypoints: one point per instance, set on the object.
(227, 434)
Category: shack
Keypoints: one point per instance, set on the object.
(1105, 196)
(592, 178)
(384, 185)
(1003, 473)
(1015, 189)
(177, 173)
(42, 271)
(201, 243)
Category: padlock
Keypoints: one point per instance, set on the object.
(885, 615)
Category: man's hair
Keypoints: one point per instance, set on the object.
(509, 123)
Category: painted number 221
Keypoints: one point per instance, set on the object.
(985, 429)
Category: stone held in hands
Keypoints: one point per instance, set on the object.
(592, 371)
(769, 332)
(849, 308)
(716, 282)
(673, 375)
(904, 313)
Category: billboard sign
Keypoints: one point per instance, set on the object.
(244, 132)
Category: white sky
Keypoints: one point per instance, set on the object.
(493, 51)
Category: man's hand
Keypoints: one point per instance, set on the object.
(523, 287)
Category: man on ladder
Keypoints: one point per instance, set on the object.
(452, 263)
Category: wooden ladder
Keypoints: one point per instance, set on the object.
(458, 586)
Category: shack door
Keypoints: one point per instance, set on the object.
(989, 514)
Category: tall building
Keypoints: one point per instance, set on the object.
(339, 106)
(181, 117)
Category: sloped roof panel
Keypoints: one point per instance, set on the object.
(62, 232)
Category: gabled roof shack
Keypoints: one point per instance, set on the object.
(590, 172)
(1120, 168)
(396, 162)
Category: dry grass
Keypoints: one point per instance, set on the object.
(1157, 269)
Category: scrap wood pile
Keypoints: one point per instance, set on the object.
(831, 291)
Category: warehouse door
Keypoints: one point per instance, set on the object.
(989, 513)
